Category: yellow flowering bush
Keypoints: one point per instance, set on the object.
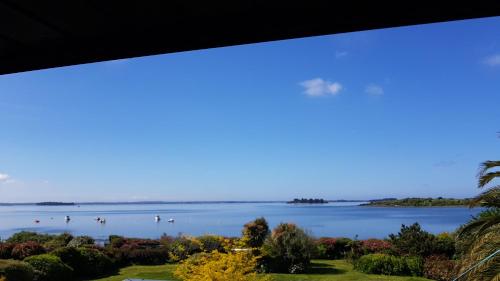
(216, 266)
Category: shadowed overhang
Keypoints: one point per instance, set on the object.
(38, 34)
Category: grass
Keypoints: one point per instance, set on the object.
(338, 270)
(321, 270)
(160, 272)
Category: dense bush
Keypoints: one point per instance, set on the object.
(414, 266)
(332, 248)
(389, 265)
(6, 250)
(58, 241)
(287, 249)
(255, 232)
(94, 262)
(49, 268)
(219, 266)
(116, 241)
(134, 243)
(12, 270)
(183, 247)
(72, 257)
(372, 246)
(149, 256)
(413, 241)
(25, 236)
(125, 251)
(26, 249)
(210, 243)
(439, 268)
(445, 245)
(81, 241)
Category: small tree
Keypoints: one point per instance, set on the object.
(255, 232)
(413, 241)
(287, 249)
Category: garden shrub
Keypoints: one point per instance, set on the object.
(414, 266)
(389, 265)
(12, 270)
(6, 250)
(26, 249)
(325, 248)
(210, 243)
(355, 250)
(58, 241)
(183, 247)
(116, 241)
(151, 256)
(439, 268)
(372, 246)
(219, 266)
(255, 232)
(72, 257)
(117, 256)
(380, 264)
(49, 268)
(26, 236)
(81, 241)
(287, 249)
(135, 243)
(413, 241)
(445, 245)
(94, 262)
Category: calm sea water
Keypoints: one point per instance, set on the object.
(227, 219)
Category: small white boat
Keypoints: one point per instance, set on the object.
(67, 218)
(157, 218)
(171, 220)
(102, 221)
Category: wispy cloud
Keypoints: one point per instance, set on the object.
(4, 177)
(340, 54)
(493, 60)
(374, 90)
(318, 87)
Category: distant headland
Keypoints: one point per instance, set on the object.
(418, 202)
(55, 204)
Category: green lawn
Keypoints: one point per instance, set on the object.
(161, 272)
(322, 270)
(338, 270)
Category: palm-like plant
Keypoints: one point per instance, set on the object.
(480, 237)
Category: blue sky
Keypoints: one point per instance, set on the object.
(397, 112)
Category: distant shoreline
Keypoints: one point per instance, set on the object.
(165, 202)
(419, 203)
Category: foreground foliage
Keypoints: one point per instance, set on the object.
(218, 266)
(12, 270)
(288, 249)
(49, 268)
(389, 265)
(481, 236)
(320, 270)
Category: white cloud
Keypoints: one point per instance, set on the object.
(374, 90)
(318, 87)
(493, 60)
(4, 177)
(340, 54)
